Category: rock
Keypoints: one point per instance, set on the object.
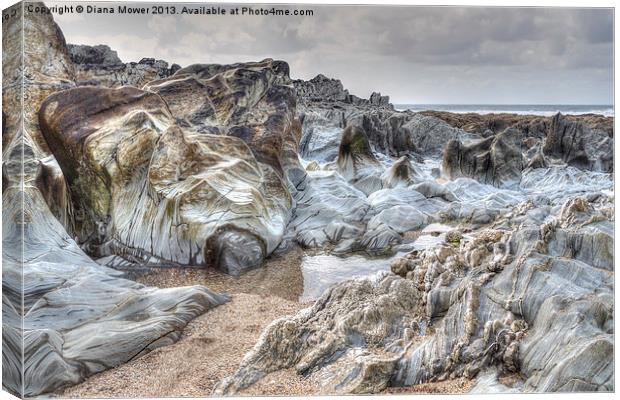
(202, 167)
(433, 189)
(100, 55)
(320, 88)
(325, 107)
(79, 318)
(52, 184)
(356, 161)
(366, 313)
(538, 161)
(377, 100)
(401, 173)
(501, 302)
(527, 282)
(380, 241)
(426, 135)
(321, 139)
(326, 199)
(324, 89)
(401, 218)
(371, 373)
(100, 66)
(583, 141)
(35, 63)
(578, 145)
(492, 160)
(401, 266)
(534, 125)
(65, 317)
(250, 101)
(143, 179)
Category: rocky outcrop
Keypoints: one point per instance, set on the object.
(320, 88)
(494, 160)
(535, 125)
(501, 273)
(100, 66)
(503, 302)
(35, 63)
(583, 141)
(64, 316)
(79, 318)
(147, 190)
(356, 161)
(323, 89)
(401, 174)
(249, 101)
(342, 338)
(578, 144)
(93, 56)
(393, 133)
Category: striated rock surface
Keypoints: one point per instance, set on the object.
(249, 101)
(506, 301)
(346, 332)
(499, 229)
(326, 108)
(67, 315)
(147, 190)
(579, 145)
(24, 38)
(494, 160)
(79, 318)
(356, 161)
(536, 125)
(100, 66)
(514, 289)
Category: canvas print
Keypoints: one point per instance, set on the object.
(220, 199)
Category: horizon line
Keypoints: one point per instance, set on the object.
(501, 104)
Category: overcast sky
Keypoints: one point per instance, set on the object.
(450, 55)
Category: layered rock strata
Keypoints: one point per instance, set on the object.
(249, 101)
(146, 189)
(507, 301)
(502, 225)
(494, 160)
(64, 316)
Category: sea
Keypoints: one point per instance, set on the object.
(530, 109)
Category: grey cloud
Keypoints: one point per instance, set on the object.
(371, 47)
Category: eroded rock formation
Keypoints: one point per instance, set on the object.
(67, 315)
(578, 144)
(146, 189)
(354, 321)
(100, 66)
(505, 300)
(502, 251)
(250, 101)
(324, 89)
(494, 160)
(493, 299)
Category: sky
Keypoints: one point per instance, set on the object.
(416, 55)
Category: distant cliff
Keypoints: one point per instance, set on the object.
(100, 66)
(323, 89)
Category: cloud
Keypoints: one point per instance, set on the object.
(446, 54)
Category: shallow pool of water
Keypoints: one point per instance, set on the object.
(322, 271)
(432, 235)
